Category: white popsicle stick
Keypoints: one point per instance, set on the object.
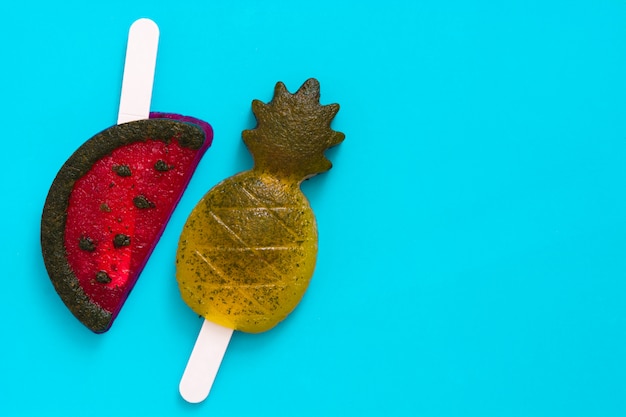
(138, 78)
(204, 362)
(137, 82)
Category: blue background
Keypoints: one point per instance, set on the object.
(472, 231)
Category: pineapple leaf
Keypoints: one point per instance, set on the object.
(292, 132)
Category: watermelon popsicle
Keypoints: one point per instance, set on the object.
(112, 199)
(248, 250)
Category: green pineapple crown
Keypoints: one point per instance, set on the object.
(292, 132)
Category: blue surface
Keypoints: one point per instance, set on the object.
(472, 231)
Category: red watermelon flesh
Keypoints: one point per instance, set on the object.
(115, 214)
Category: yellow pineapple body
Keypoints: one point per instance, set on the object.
(247, 252)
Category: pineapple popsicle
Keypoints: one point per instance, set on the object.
(248, 250)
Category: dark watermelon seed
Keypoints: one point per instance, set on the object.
(122, 170)
(121, 240)
(102, 277)
(162, 166)
(86, 243)
(141, 202)
(105, 208)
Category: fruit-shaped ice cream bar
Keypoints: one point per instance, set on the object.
(108, 206)
(248, 250)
